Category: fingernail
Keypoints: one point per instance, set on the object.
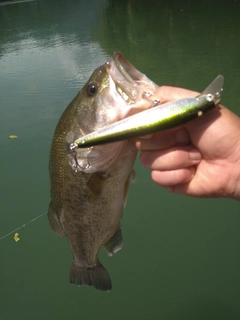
(194, 154)
(182, 137)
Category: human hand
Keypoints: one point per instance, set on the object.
(201, 158)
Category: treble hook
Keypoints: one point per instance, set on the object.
(76, 164)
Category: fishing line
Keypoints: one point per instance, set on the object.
(24, 225)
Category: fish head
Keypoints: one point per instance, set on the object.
(114, 91)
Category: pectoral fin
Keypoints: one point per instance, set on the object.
(54, 221)
(133, 178)
(115, 243)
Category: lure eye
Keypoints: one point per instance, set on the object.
(210, 97)
(92, 89)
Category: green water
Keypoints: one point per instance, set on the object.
(181, 256)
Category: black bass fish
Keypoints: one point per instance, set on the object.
(89, 187)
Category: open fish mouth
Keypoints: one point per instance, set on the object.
(123, 91)
(130, 83)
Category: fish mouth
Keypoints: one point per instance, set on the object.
(130, 83)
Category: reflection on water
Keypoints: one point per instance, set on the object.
(181, 256)
(7, 2)
(40, 61)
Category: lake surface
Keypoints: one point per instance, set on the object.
(181, 256)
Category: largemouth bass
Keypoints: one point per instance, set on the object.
(162, 117)
(89, 187)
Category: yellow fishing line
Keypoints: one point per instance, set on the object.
(24, 225)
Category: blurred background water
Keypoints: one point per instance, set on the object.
(181, 256)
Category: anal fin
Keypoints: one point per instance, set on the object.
(115, 243)
(54, 221)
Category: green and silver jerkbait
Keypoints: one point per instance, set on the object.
(161, 117)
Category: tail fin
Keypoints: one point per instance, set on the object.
(96, 276)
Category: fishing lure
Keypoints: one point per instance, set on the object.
(158, 118)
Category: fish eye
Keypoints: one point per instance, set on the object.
(92, 89)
